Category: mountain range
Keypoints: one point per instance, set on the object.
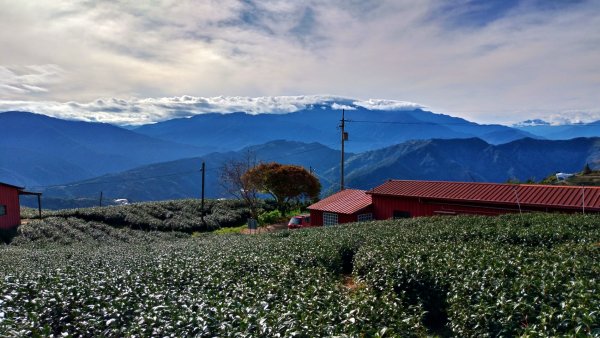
(438, 159)
(69, 159)
(368, 129)
(40, 150)
(548, 131)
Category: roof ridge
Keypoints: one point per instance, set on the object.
(492, 183)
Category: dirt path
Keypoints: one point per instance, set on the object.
(265, 229)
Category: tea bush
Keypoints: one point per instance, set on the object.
(176, 215)
(530, 275)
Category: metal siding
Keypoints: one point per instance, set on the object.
(384, 206)
(345, 218)
(9, 196)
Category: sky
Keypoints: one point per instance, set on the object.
(132, 62)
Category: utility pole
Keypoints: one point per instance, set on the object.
(344, 138)
(39, 196)
(101, 198)
(202, 203)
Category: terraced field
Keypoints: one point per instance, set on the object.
(532, 275)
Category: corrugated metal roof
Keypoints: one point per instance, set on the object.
(347, 201)
(525, 194)
(11, 186)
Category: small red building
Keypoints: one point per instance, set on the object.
(402, 199)
(346, 206)
(10, 209)
(399, 199)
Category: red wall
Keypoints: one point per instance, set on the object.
(10, 198)
(316, 217)
(384, 207)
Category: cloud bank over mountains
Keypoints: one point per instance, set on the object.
(136, 111)
(488, 61)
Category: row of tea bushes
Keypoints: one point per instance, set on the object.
(532, 275)
(175, 215)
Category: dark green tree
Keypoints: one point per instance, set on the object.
(586, 170)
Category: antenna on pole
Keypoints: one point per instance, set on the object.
(344, 138)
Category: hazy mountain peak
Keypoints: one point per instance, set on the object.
(138, 111)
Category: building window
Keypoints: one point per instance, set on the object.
(365, 217)
(2, 210)
(401, 214)
(330, 219)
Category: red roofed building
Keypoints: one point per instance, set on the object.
(10, 209)
(398, 199)
(346, 206)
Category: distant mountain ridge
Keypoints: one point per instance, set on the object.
(182, 178)
(470, 160)
(369, 129)
(43, 150)
(452, 160)
(38, 150)
(549, 131)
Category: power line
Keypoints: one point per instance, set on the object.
(473, 124)
(417, 123)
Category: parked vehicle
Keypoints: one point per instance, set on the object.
(300, 221)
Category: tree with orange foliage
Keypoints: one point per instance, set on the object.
(283, 182)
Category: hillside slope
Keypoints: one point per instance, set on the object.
(452, 160)
(72, 150)
(182, 178)
(470, 160)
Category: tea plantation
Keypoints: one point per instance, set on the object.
(531, 275)
(175, 215)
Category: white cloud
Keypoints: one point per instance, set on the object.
(378, 104)
(28, 80)
(528, 59)
(573, 117)
(337, 106)
(137, 111)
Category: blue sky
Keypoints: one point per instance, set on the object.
(488, 61)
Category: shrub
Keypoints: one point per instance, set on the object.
(269, 217)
